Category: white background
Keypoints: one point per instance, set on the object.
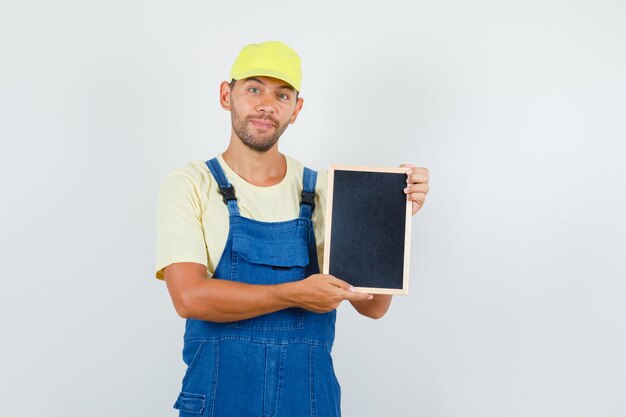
(518, 283)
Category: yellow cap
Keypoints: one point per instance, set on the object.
(270, 59)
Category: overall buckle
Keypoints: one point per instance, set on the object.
(227, 194)
(307, 197)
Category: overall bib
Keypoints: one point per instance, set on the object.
(275, 365)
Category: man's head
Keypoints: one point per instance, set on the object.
(263, 95)
(270, 59)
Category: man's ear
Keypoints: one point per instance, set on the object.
(225, 95)
(299, 104)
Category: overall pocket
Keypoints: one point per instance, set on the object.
(190, 404)
(270, 261)
(199, 382)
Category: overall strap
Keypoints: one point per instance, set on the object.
(225, 188)
(307, 200)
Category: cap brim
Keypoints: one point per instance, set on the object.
(262, 72)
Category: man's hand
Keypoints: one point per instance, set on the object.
(417, 185)
(321, 293)
(221, 300)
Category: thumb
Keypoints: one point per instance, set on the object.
(358, 296)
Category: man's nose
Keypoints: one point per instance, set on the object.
(266, 103)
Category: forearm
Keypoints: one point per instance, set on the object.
(198, 297)
(374, 308)
(220, 300)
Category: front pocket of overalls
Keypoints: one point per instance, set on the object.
(264, 261)
(268, 262)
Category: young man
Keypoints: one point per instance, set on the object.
(239, 242)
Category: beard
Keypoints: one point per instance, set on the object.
(245, 131)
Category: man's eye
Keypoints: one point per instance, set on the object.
(254, 90)
(283, 96)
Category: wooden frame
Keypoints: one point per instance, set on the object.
(407, 229)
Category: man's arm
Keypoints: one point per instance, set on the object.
(195, 296)
(374, 308)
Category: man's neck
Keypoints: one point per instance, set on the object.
(262, 169)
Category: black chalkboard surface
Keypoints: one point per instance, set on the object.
(368, 228)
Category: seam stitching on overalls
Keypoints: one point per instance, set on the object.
(312, 379)
(283, 350)
(260, 340)
(216, 363)
(264, 401)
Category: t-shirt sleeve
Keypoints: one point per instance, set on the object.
(180, 234)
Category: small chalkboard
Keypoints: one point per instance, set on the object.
(368, 228)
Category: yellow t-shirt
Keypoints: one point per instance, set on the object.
(192, 219)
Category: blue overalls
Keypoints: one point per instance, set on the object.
(275, 365)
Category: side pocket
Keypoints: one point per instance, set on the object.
(197, 394)
(189, 403)
(191, 354)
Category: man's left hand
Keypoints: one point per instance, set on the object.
(417, 179)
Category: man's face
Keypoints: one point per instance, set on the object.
(261, 108)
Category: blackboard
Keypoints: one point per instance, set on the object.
(368, 228)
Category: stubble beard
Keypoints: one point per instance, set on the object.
(244, 131)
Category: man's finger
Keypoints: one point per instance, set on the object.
(419, 177)
(358, 296)
(416, 207)
(420, 170)
(417, 188)
(417, 197)
(339, 283)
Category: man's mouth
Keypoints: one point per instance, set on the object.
(262, 123)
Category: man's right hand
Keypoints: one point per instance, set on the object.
(321, 293)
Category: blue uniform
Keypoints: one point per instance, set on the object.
(274, 365)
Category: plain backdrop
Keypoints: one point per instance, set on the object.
(517, 302)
